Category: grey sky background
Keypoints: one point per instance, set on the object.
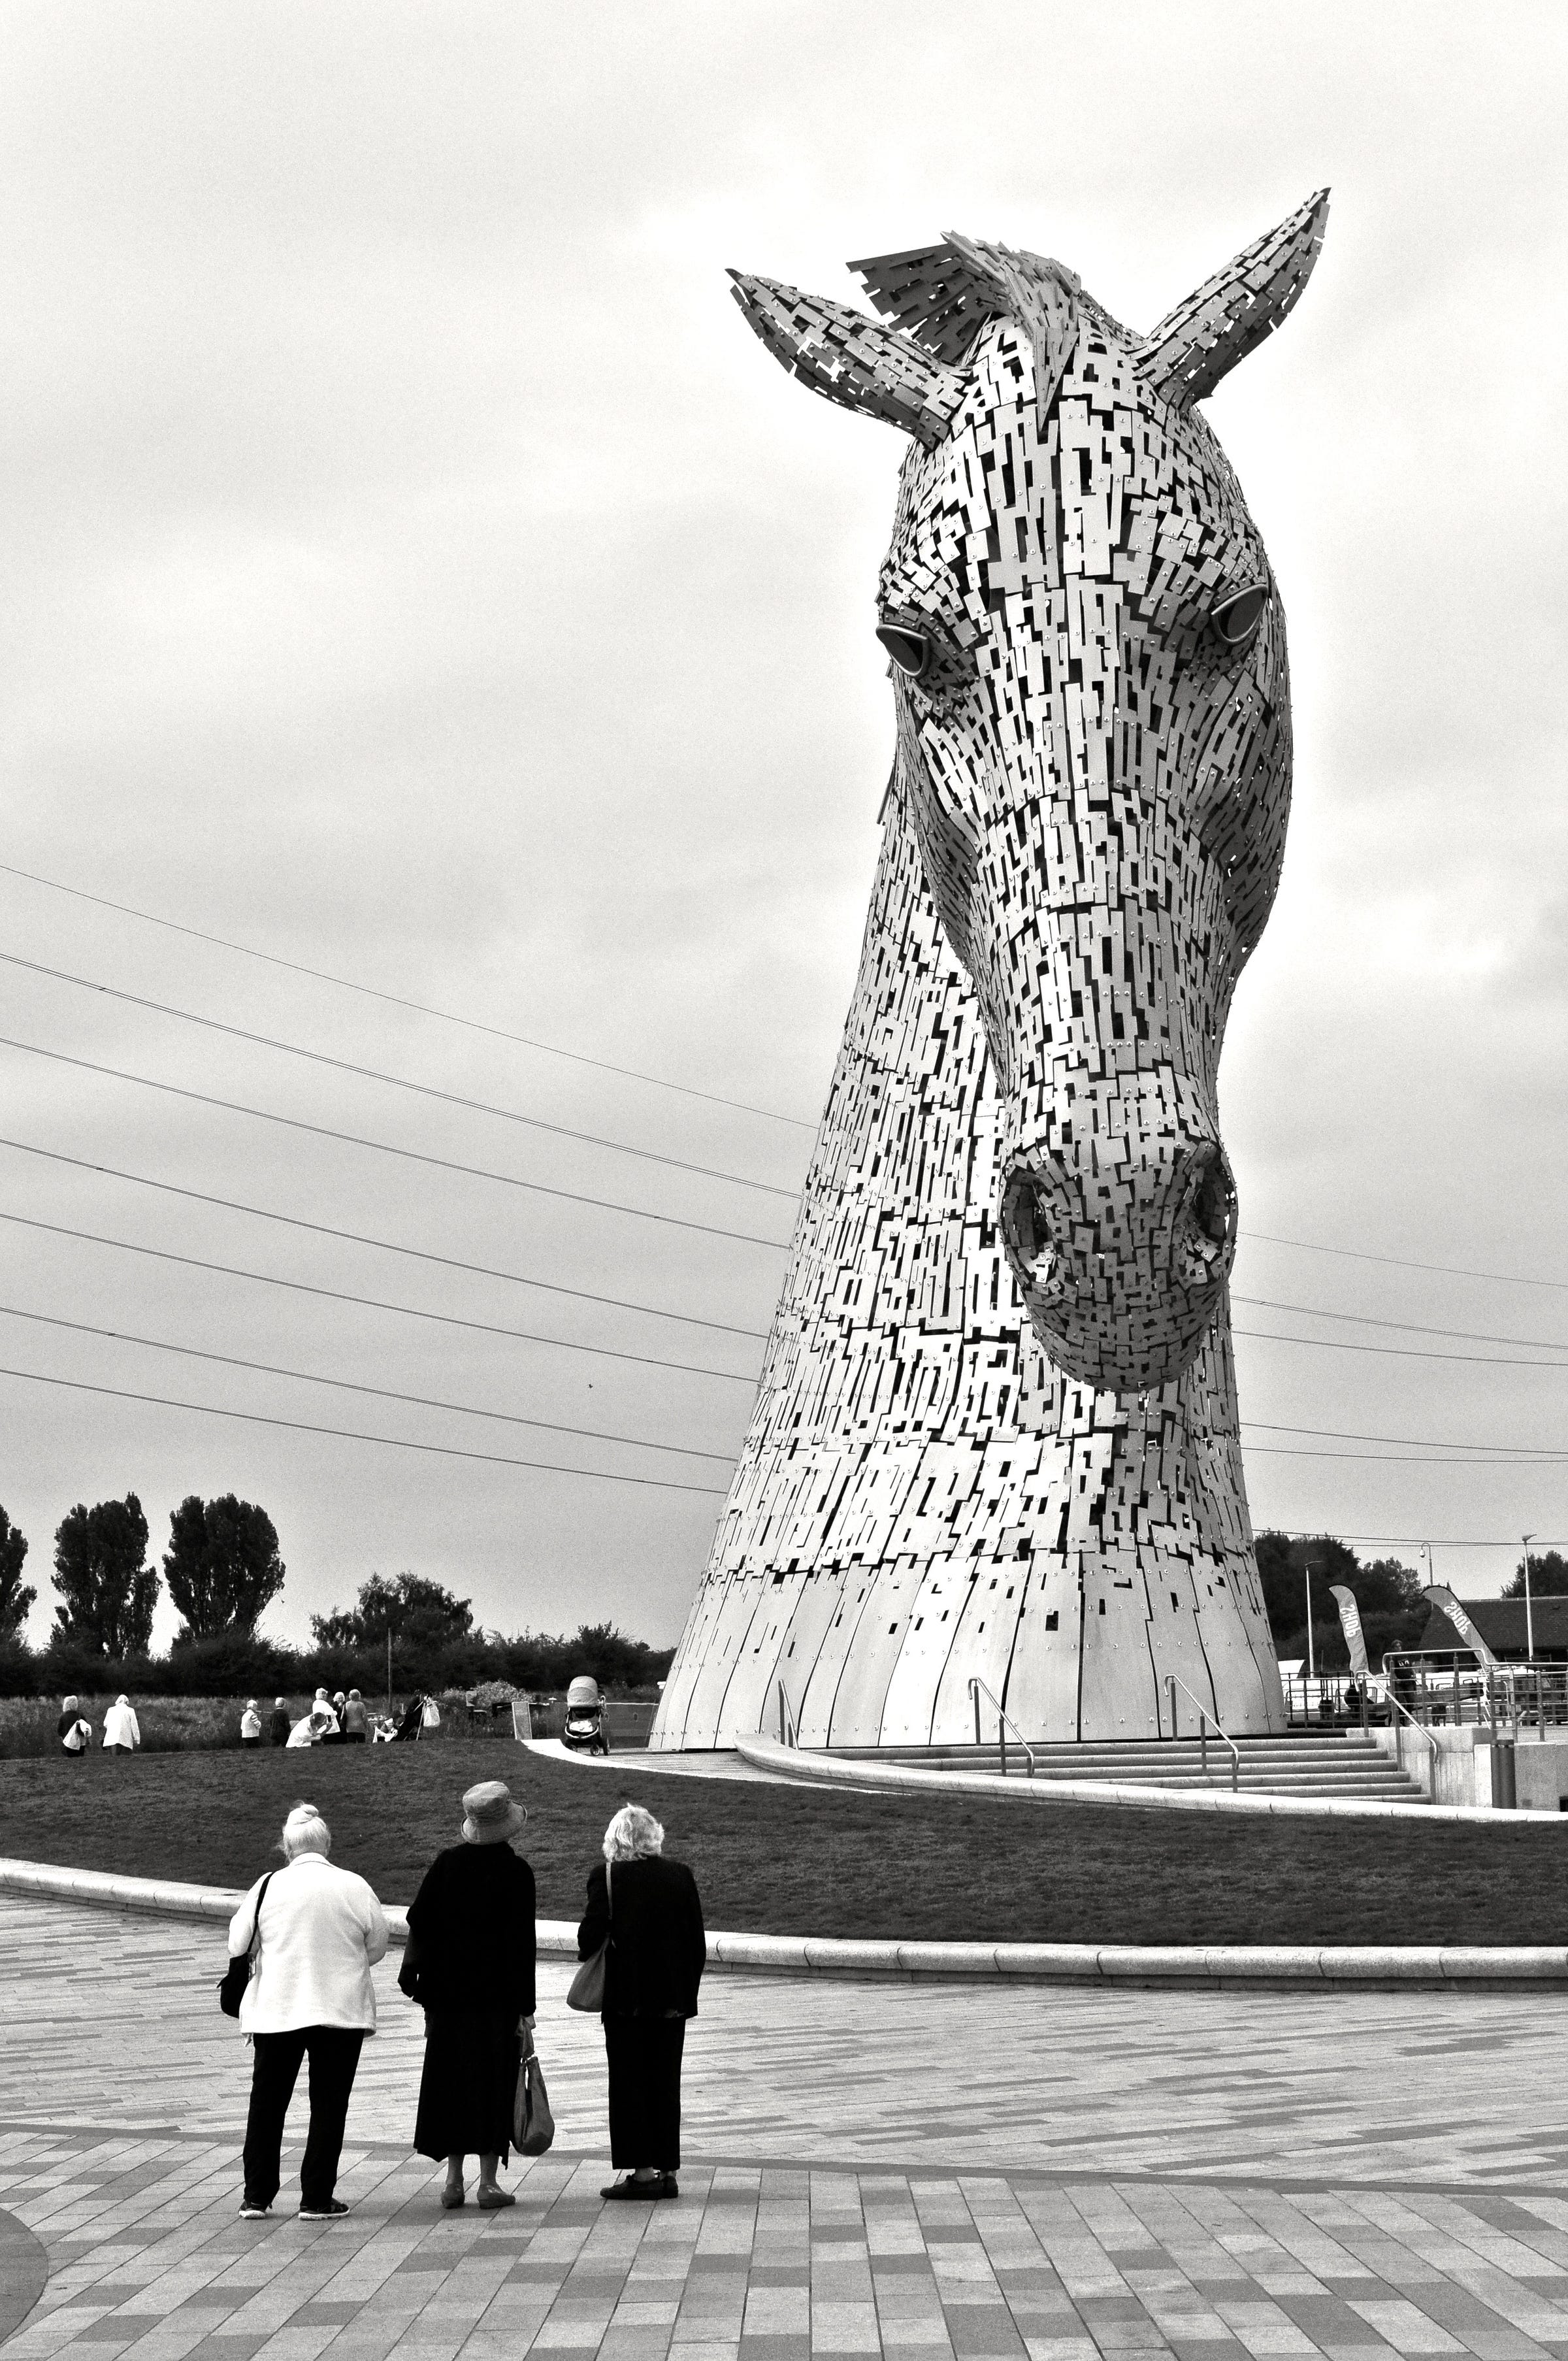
(415, 568)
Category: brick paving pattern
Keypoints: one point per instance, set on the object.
(924, 2173)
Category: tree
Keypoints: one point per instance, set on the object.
(222, 1565)
(107, 1589)
(15, 1597)
(1393, 1604)
(1548, 1575)
(419, 1615)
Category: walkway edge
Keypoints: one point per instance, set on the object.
(816, 1767)
(1368, 1965)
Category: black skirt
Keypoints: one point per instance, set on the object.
(469, 2082)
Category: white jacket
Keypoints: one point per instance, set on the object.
(322, 1933)
(120, 1727)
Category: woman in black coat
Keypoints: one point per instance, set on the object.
(470, 1967)
(649, 1910)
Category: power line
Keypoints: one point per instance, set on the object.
(1399, 1352)
(1393, 1540)
(1415, 1441)
(384, 1246)
(350, 1386)
(351, 1434)
(1403, 1459)
(397, 1000)
(387, 1147)
(374, 1302)
(1411, 1327)
(1400, 1262)
(396, 1082)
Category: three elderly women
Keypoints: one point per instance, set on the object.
(313, 1932)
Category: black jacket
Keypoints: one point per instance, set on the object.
(472, 1922)
(657, 1945)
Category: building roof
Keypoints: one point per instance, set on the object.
(1501, 1623)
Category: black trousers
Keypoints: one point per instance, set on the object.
(334, 2053)
(644, 2055)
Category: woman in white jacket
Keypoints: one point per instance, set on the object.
(320, 1932)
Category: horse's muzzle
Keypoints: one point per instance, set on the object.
(1122, 1241)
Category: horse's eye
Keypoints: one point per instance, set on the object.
(910, 651)
(1235, 618)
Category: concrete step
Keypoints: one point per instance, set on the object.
(1348, 1767)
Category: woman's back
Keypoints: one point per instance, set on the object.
(658, 1946)
(472, 1921)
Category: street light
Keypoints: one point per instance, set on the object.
(1307, 1577)
(1529, 1605)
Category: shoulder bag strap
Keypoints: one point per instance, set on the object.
(254, 1953)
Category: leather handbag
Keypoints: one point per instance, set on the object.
(411, 1969)
(533, 2123)
(586, 1990)
(232, 1984)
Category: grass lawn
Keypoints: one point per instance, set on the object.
(785, 1861)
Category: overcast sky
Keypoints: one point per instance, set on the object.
(413, 568)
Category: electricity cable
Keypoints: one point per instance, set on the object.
(387, 1147)
(1411, 1327)
(352, 1434)
(397, 1000)
(384, 1246)
(395, 1082)
(376, 1303)
(352, 1385)
(1399, 1351)
(772, 1114)
(1505, 1452)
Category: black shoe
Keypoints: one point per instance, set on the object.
(655, 2185)
(333, 2210)
(251, 2209)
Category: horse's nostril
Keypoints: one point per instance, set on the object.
(1206, 1226)
(1026, 1218)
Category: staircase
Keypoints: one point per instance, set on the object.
(1344, 1768)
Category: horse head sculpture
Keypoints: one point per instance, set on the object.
(1093, 738)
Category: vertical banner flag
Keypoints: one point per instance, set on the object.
(1441, 1596)
(1350, 1624)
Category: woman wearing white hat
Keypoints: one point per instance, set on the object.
(470, 1967)
(122, 1732)
(314, 1933)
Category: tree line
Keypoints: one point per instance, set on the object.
(222, 1569)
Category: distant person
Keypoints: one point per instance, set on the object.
(74, 1729)
(312, 1728)
(356, 1720)
(408, 1727)
(470, 1967)
(429, 1714)
(122, 1732)
(278, 1724)
(1353, 1699)
(328, 1730)
(250, 1725)
(649, 1910)
(320, 1932)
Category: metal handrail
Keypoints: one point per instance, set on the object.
(1205, 1722)
(1004, 1723)
(789, 1733)
(1399, 1707)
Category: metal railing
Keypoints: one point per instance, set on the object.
(789, 1733)
(1398, 1705)
(1004, 1723)
(1206, 1722)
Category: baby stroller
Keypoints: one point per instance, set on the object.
(585, 1730)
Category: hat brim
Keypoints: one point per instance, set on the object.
(502, 1831)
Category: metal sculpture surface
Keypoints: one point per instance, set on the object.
(996, 1433)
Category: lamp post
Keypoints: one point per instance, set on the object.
(1529, 1604)
(1307, 1578)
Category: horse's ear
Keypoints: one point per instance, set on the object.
(852, 360)
(1201, 341)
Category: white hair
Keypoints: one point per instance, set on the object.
(633, 1835)
(304, 1830)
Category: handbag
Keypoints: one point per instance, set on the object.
(232, 1984)
(533, 2123)
(586, 1990)
(409, 1972)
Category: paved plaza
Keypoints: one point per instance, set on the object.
(968, 2173)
